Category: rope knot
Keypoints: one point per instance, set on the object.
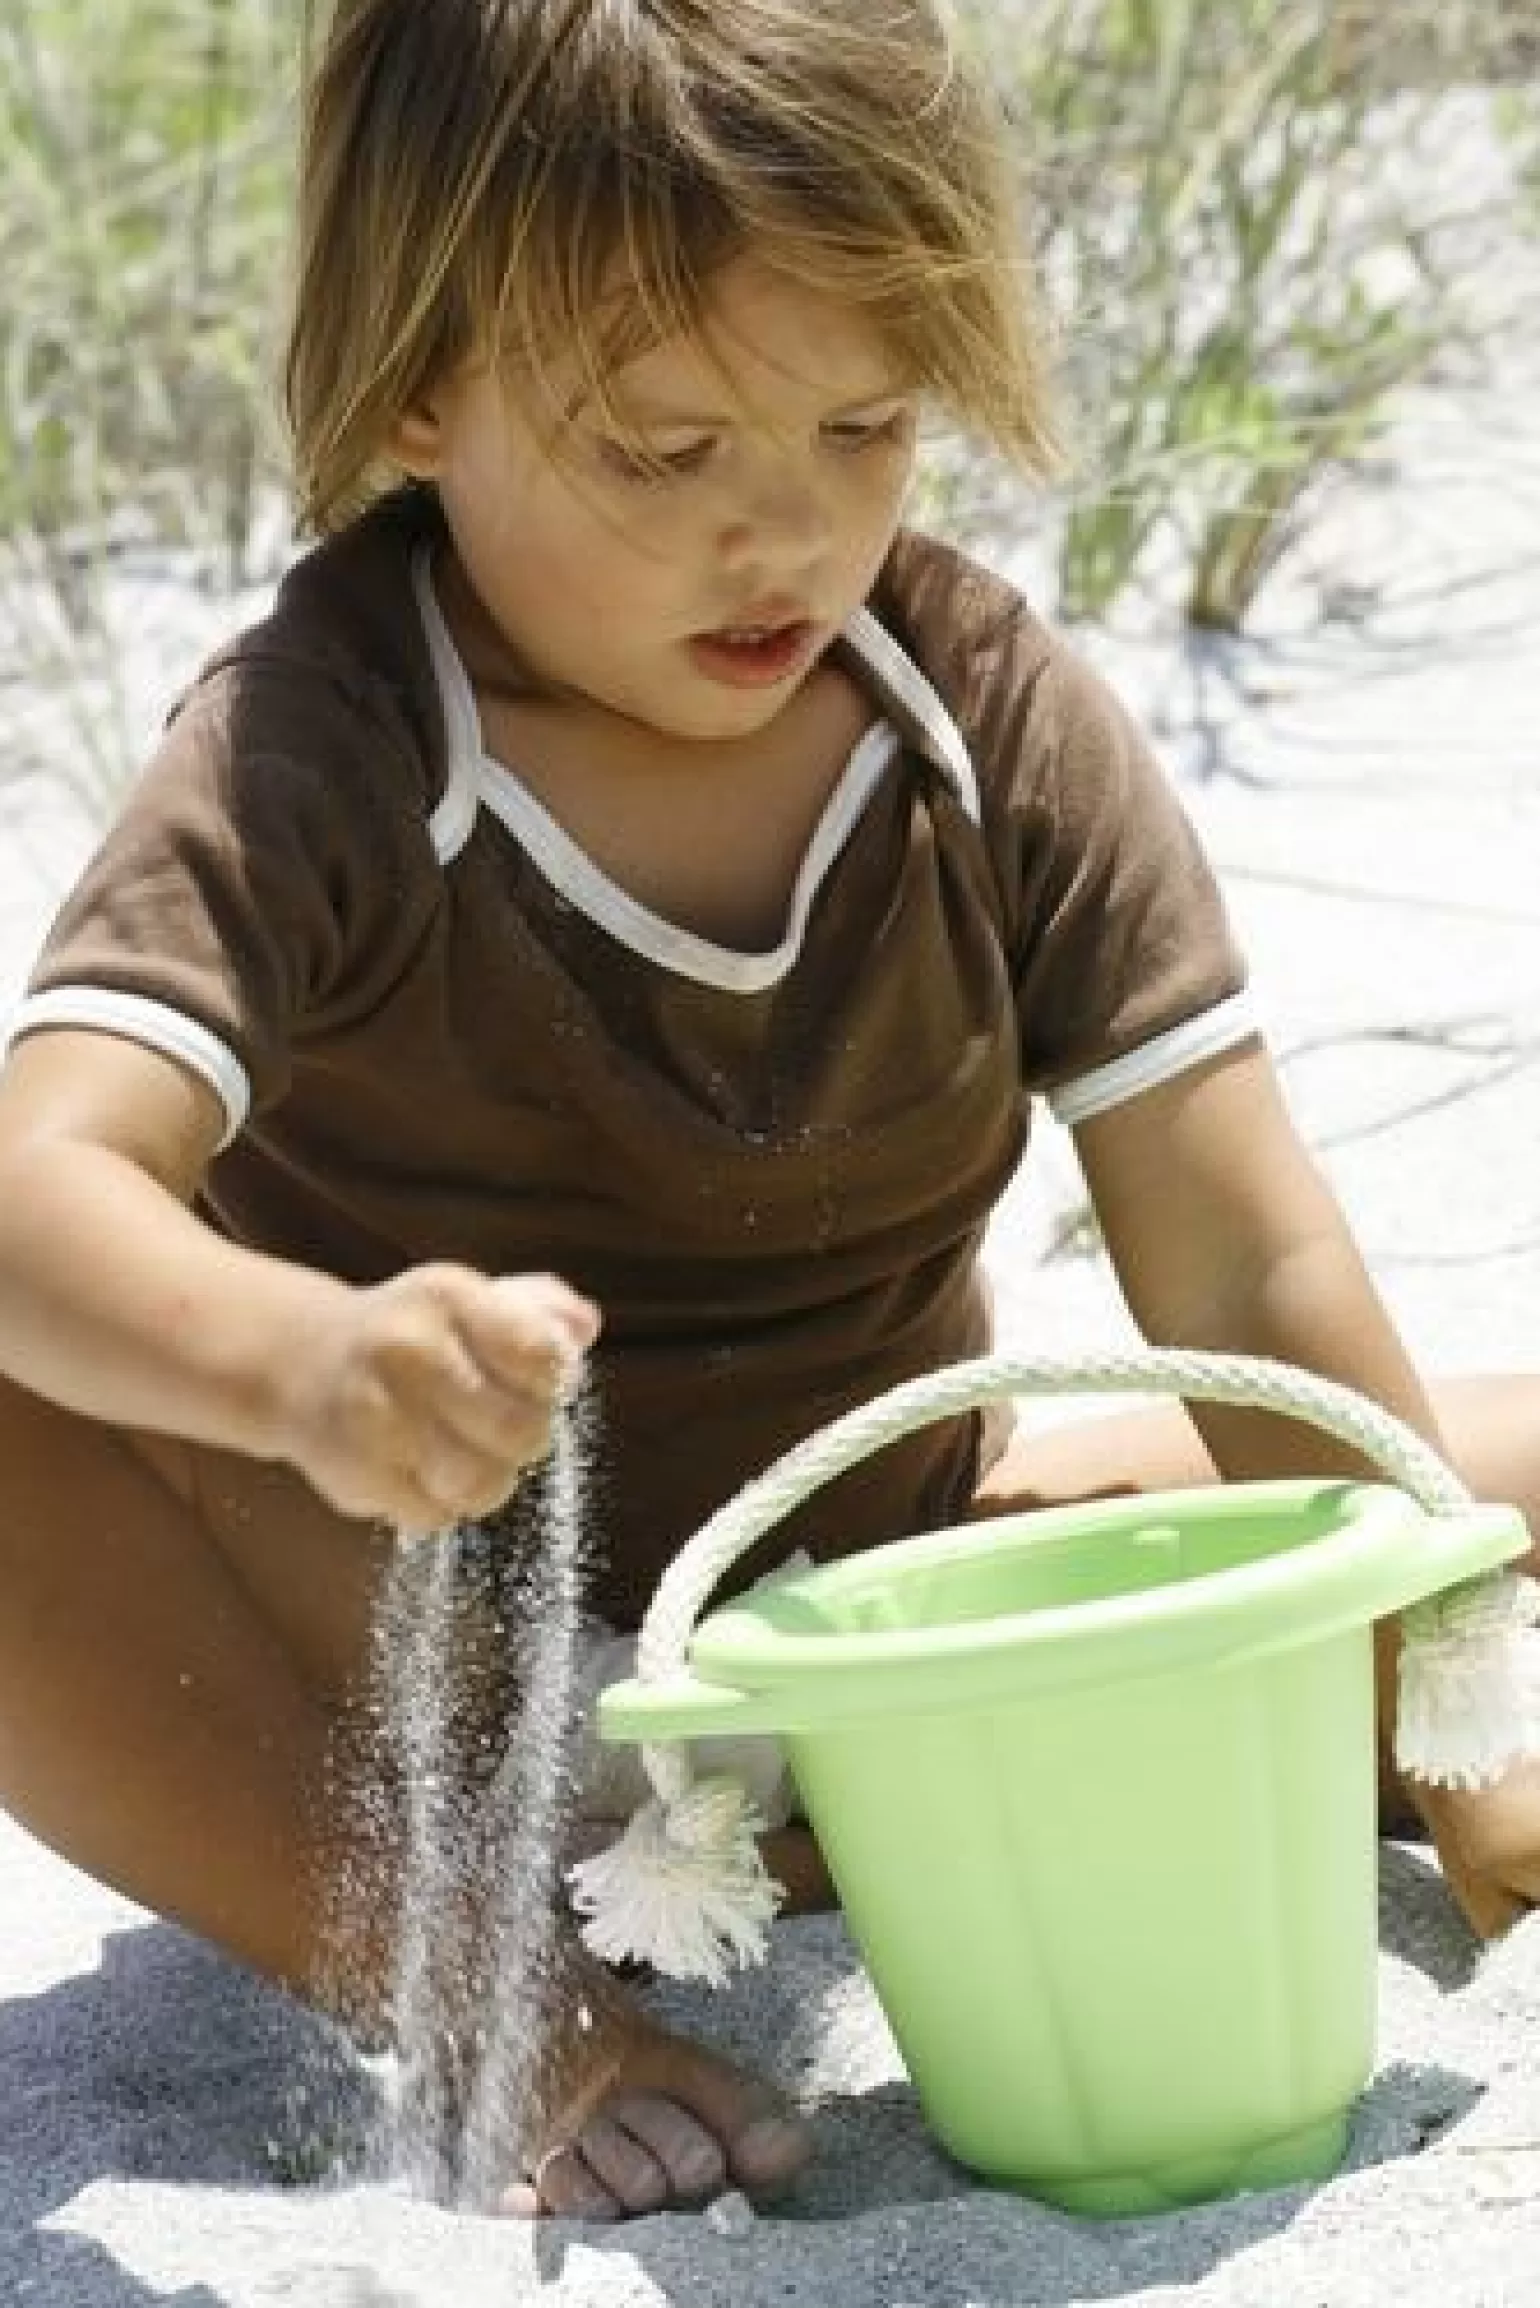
(684, 1888)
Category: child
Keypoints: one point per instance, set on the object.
(622, 853)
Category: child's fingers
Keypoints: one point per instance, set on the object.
(500, 1413)
(458, 1480)
(516, 1344)
(528, 1330)
(443, 1394)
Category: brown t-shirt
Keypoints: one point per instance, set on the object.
(441, 1032)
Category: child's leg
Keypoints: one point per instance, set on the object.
(155, 1726)
(184, 1637)
(1490, 1425)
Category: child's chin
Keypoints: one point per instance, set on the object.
(701, 712)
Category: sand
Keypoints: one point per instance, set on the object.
(1371, 790)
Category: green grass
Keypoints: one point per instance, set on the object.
(1244, 278)
(144, 171)
(1249, 267)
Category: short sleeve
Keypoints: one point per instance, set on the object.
(1122, 959)
(255, 885)
(1125, 965)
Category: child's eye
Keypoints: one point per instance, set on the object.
(654, 465)
(851, 434)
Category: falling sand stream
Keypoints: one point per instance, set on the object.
(476, 1649)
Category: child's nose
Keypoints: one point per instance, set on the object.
(783, 521)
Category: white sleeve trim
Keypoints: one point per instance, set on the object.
(134, 1018)
(1158, 1060)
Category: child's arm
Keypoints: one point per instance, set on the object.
(1224, 1235)
(414, 1401)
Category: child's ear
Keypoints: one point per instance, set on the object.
(416, 441)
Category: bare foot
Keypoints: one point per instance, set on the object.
(647, 2120)
(1488, 1842)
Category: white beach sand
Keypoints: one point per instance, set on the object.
(1372, 793)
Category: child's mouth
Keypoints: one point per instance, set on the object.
(753, 656)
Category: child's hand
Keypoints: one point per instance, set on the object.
(1488, 1840)
(422, 1400)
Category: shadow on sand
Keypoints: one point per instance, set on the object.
(167, 2064)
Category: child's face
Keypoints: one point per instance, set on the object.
(696, 601)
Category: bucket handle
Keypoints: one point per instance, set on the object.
(1240, 1381)
(1467, 1698)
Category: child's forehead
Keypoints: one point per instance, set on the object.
(765, 343)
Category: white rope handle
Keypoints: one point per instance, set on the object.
(1241, 1381)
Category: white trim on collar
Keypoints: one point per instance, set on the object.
(474, 779)
(454, 816)
(569, 869)
(897, 672)
(893, 669)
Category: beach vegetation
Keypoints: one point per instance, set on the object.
(1259, 223)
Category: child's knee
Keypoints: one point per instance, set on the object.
(60, 1470)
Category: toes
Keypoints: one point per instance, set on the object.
(688, 2160)
(641, 2153)
(623, 2166)
(645, 2119)
(637, 2154)
(769, 2152)
(764, 2145)
(563, 2187)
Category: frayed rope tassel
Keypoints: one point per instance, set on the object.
(1468, 1686)
(684, 1889)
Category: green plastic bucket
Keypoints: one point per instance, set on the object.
(1096, 1786)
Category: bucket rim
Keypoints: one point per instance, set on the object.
(754, 1656)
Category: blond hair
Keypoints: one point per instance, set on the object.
(478, 176)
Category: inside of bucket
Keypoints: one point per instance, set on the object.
(1059, 1558)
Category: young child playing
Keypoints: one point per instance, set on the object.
(623, 853)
